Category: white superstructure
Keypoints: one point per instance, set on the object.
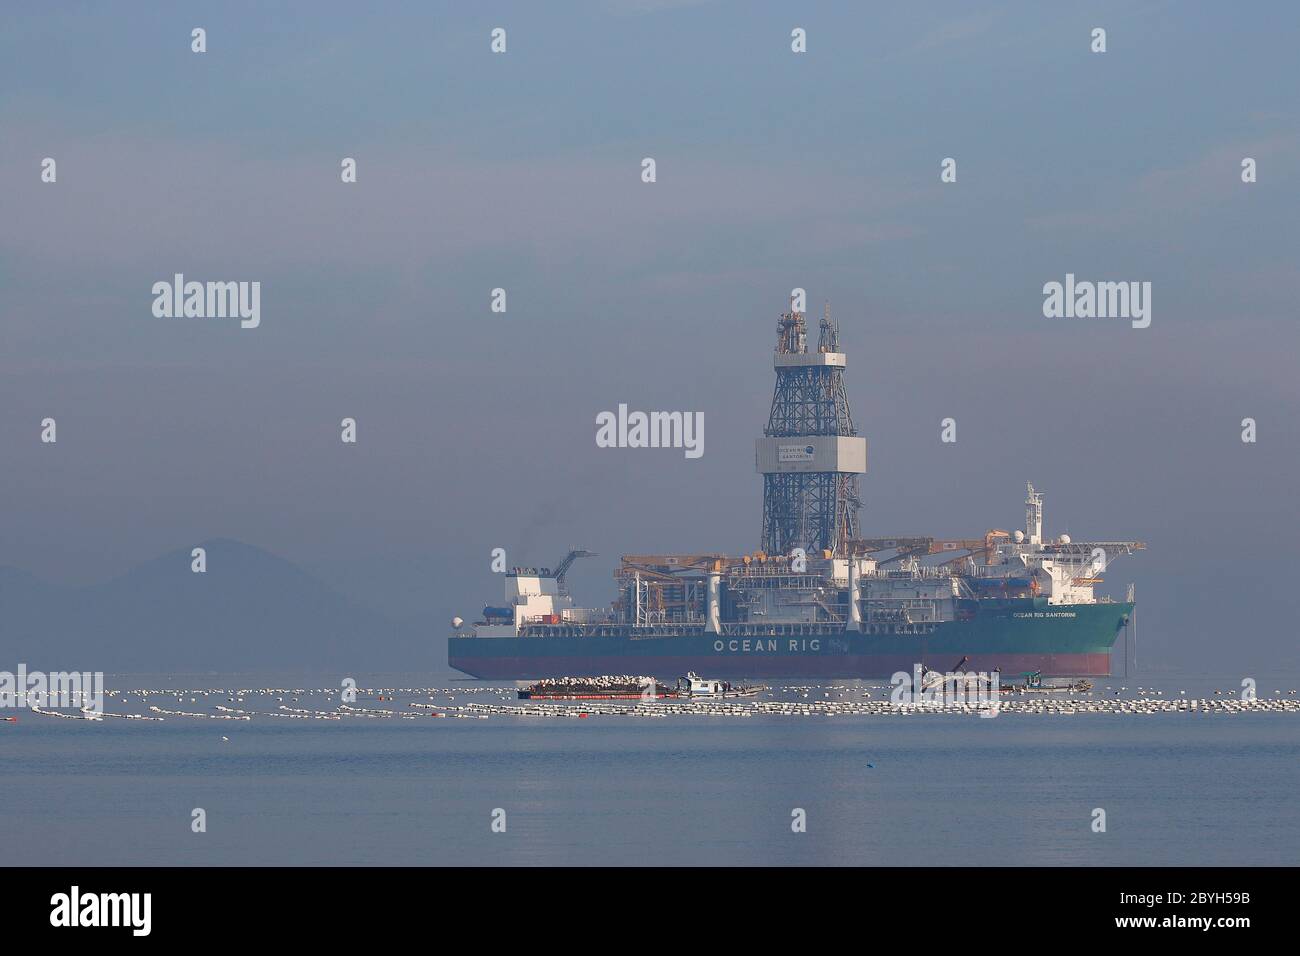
(1064, 571)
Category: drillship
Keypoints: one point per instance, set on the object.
(816, 600)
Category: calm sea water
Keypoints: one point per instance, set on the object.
(918, 790)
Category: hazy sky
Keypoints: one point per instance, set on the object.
(775, 170)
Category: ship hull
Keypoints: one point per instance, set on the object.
(1065, 641)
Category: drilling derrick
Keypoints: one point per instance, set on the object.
(810, 456)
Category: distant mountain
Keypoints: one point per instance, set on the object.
(250, 611)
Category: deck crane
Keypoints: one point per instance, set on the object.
(568, 561)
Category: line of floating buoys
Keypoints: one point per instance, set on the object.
(260, 713)
(182, 713)
(36, 709)
(857, 699)
(100, 714)
(825, 708)
(88, 713)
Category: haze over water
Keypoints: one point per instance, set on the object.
(1177, 789)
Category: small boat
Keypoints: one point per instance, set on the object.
(696, 687)
(959, 679)
(1034, 684)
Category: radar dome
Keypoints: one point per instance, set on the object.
(457, 621)
(1019, 536)
(1065, 539)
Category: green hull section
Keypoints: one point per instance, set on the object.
(1010, 635)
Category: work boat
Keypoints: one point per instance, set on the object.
(696, 687)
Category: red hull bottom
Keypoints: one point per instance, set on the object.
(823, 666)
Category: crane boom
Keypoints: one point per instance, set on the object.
(568, 560)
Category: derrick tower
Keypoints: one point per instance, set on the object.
(810, 456)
